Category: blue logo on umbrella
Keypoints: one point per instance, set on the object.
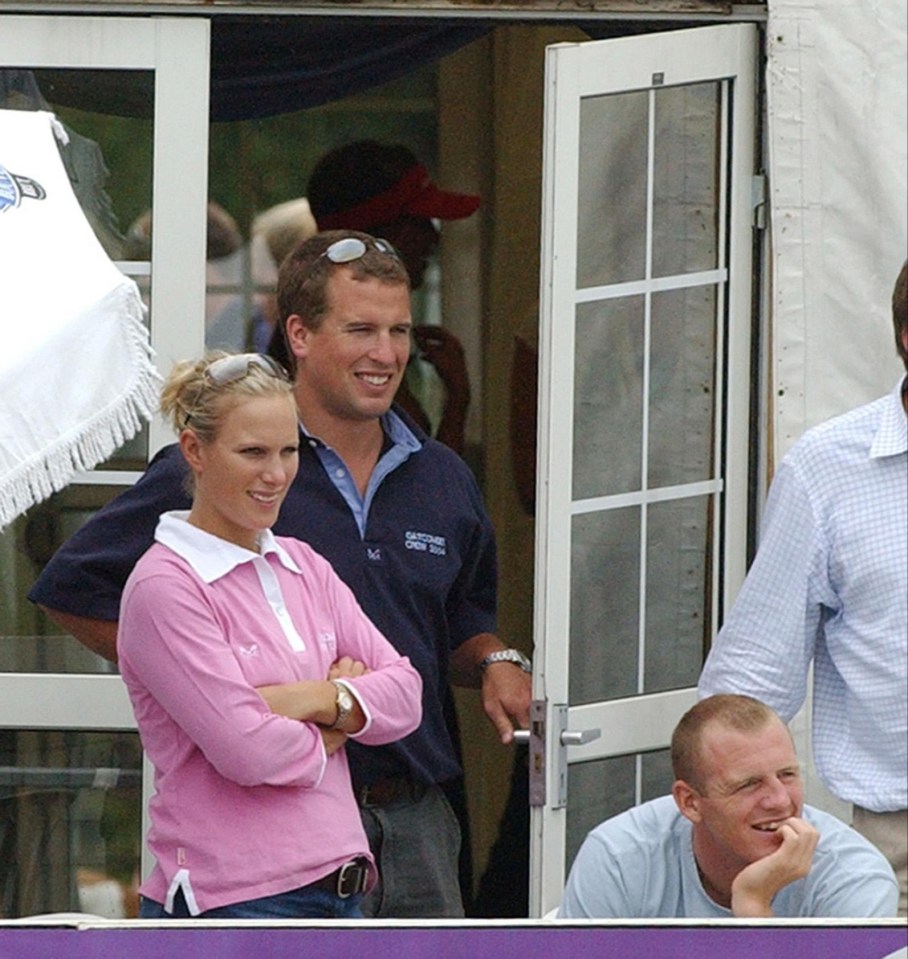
(14, 187)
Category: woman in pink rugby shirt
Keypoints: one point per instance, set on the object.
(249, 663)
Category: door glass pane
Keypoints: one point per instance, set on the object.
(605, 592)
(611, 221)
(685, 179)
(678, 601)
(240, 276)
(29, 641)
(608, 397)
(605, 597)
(70, 823)
(682, 387)
(597, 791)
(656, 775)
(603, 788)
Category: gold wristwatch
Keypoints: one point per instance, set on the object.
(344, 702)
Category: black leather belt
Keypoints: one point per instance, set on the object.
(349, 880)
(387, 791)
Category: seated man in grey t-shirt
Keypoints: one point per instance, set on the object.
(733, 839)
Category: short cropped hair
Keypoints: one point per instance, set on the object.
(741, 713)
(302, 281)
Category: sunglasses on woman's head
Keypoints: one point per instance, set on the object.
(228, 369)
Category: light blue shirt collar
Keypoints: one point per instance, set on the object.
(404, 443)
(393, 427)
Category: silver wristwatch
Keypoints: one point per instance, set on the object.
(344, 702)
(507, 656)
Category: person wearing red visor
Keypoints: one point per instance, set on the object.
(384, 190)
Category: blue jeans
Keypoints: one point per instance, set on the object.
(302, 903)
(416, 844)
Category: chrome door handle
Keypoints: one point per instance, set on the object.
(535, 737)
(579, 737)
(569, 737)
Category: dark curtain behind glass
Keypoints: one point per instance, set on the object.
(265, 66)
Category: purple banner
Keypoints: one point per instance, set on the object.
(459, 942)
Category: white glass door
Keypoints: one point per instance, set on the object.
(644, 346)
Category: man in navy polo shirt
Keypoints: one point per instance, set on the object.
(400, 517)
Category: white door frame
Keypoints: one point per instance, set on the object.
(177, 50)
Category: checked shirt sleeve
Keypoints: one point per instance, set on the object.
(766, 645)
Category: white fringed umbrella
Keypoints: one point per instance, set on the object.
(76, 370)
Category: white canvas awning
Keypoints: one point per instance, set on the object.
(76, 373)
(838, 149)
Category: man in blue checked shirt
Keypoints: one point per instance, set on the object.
(829, 586)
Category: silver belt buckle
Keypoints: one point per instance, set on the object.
(351, 878)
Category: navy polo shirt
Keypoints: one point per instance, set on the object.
(424, 571)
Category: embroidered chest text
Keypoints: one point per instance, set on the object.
(426, 543)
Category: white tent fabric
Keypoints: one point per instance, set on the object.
(76, 370)
(837, 114)
(838, 135)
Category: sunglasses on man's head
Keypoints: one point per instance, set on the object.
(228, 369)
(352, 248)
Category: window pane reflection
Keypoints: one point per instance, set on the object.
(686, 179)
(605, 655)
(679, 534)
(70, 823)
(612, 189)
(605, 590)
(608, 397)
(109, 153)
(29, 641)
(682, 387)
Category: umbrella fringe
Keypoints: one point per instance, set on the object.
(95, 440)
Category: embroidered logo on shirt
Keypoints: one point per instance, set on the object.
(426, 543)
(374, 553)
(252, 650)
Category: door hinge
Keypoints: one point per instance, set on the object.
(758, 201)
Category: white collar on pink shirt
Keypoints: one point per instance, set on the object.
(209, 555)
